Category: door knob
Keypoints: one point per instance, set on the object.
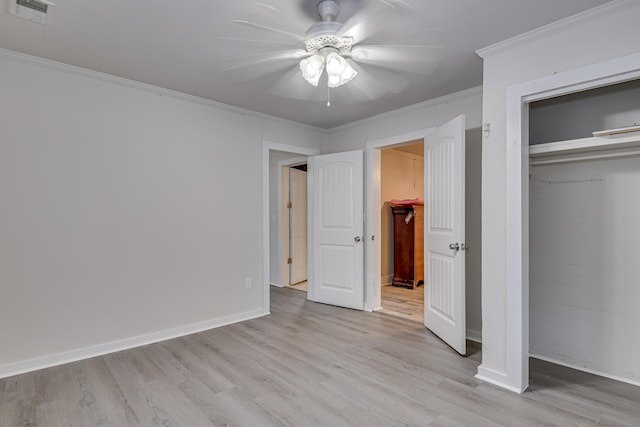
(357, 239)
(454, 246)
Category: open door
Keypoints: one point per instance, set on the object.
(297, 226)
(337, 218)
(444, 305)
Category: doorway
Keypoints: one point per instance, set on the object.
(519, 98)
(272, 154)
(294, 225)
(402, 230)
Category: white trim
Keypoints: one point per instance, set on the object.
(583, 369)
(266, 147)
(475, 336)
(496, 378)
(517, 191)
(43, 362)
(372, 255)
(276, 285)
(548, 30)
(108, 78)
(410, 108)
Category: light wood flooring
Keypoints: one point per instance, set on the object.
(403, 302)
(302, 286)
(304, 365)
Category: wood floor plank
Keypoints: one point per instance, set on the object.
(307, 364)
(403, 302)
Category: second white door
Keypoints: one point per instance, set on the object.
(444, 311)
(337, 216)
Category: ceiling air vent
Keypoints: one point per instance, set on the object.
(32, 10)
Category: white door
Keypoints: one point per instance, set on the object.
(298, 225)
(444, 234)
(337, 217)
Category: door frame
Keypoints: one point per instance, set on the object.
(517, 199)
(372, 276)
(267, 147)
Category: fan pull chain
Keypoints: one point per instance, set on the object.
(328, 96)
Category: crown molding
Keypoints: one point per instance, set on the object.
(133, 84)
(555, 27)
(410, 108)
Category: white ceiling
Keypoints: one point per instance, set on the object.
(179, 45)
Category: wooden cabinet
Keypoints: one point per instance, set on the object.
(408, 246)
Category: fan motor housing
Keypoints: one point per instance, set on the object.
(341, 44)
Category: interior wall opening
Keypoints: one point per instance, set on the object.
(402, 230)
(583, 209)
(288, 220)
(294, 208)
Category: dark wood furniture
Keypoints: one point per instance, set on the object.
(408, 246)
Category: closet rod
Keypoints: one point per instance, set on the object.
(536, 162)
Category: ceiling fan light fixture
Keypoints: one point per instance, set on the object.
(336, 64)
(311, 69)
(348, 74)
(333, 81)
(337, 80)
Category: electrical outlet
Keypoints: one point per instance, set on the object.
(248, 283)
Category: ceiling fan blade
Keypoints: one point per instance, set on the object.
(403, 3)
(296, 37)
(279, 14)
(291, 85)
(413, 59)
(259, 66)
(296, 54)
(258, 42)
(367, 20)
(361, 91)
(377, 82)
(409, 35)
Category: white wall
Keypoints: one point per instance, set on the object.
(605, 35)
(584, 270)
(417, 117)
(126, 210)
(401, 177)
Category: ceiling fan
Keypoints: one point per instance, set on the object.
(335, 52)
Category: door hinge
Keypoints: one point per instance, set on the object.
(289, 260)
(289, 205)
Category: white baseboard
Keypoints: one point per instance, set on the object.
(475, 336)
(496, 378)
(276, 285)
(386, 280)
(583, 369)
(48, 361)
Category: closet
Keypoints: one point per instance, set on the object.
(584, 222)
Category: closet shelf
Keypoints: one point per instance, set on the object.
(586, 145)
